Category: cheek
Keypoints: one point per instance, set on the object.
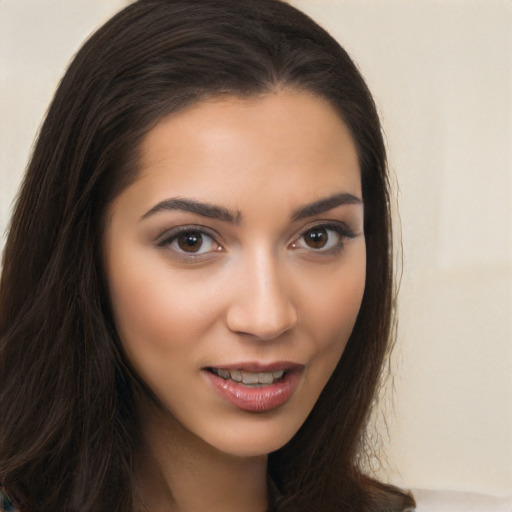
(334, 307)
(152, 313)
(341, 305)
(339, 299)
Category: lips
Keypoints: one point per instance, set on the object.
(254, 387)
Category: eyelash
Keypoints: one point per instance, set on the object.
(339, 228)
(172, 236)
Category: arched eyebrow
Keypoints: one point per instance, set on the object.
(324, 205)
(212, 211)
(191, 205)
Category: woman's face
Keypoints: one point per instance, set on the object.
(236, 264)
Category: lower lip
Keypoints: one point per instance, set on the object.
(256, 399)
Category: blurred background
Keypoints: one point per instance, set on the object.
(441, 74)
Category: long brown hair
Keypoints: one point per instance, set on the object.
(68, 428)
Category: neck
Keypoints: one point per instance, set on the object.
(179, 472)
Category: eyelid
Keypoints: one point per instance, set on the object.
(339, 227)
(166, 238)
(336, 225)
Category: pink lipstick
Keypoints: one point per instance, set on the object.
(254, 387)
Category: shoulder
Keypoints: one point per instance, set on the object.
(6, 504)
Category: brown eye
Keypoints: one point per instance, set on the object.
(316, 238)
(323, 238)
(190, 242)
(185, 242)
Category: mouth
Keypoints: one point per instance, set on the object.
(253, 379)
(254, 387)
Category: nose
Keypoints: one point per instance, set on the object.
(262, 306)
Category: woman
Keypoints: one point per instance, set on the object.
(197, 286)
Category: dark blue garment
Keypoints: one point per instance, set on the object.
(5, 503)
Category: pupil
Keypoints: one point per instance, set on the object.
(190, 242)
(316, 238)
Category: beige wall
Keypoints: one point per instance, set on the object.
(441, 72)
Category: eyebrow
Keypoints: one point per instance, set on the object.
(190, 205)
(325, 204)
(219, 213)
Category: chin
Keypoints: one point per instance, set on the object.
(254, 437)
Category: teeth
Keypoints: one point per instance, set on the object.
(265, 378)
(249, 378)
(236, 375)
(223, 373)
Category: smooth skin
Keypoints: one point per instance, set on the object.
(241, 240)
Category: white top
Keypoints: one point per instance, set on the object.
(452, 501)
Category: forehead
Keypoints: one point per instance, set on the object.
(282, 146)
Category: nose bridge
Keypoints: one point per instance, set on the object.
(262, 305)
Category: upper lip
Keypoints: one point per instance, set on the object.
(259, 367)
